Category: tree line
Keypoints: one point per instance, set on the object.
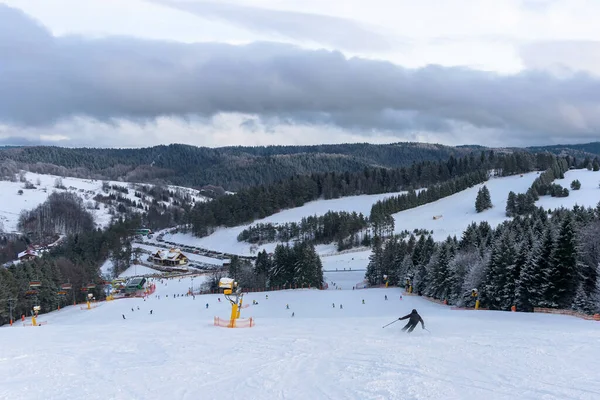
(288, 266)
(543, 260)
(239, 167)
(259, 202)
(327, 228)
(524, 203)
(76, 261)
(233, 168)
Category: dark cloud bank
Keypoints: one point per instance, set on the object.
(44, 80)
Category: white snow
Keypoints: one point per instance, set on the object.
(458, 210)
(321, 353)
(106, 269)
(137, 270)
(587, 196)
(11, 203)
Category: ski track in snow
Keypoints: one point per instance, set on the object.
(321, 353)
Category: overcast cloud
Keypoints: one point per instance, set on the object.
(333, 32)
(126, 84)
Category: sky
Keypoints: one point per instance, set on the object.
(136, 73)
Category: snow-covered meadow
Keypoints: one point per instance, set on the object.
(458, 211)
(225, 239)
(323, 352)
(12, 203)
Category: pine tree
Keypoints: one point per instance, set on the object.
(308, 269)
(282, 267)
(560, 282)
(483, 200)
(374, 274)
(500, 280)
(582, 302)
(440, 278)
(262, 266)
(511, 204)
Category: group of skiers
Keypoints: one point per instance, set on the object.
(133, 310)
(413, 317)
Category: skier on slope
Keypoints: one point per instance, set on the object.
(414, 319)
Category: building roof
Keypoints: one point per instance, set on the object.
(172, 254)
(28, 252)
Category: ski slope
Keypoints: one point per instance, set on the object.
(321, 353)
(225, 239)
(458, 210)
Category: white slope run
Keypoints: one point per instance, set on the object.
(137, 270)
(587, 196)
(458, 211)
(321, 353)
(225, 239)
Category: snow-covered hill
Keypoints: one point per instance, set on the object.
(457, 211)
(323, 352)
(225, 239)
(12, 202)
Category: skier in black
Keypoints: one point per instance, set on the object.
(414, 319)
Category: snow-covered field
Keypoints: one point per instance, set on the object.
(320, 353)
(587, 196)
(458, 211)
(12, 203)
(225, 239)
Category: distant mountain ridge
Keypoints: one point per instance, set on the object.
(237, 167)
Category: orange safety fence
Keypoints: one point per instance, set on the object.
(235, 323)
(595, 317)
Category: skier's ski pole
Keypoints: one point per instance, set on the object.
(427, 330)
(389, 323)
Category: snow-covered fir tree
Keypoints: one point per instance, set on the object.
(483, 201)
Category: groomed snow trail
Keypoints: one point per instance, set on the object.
(321, 353)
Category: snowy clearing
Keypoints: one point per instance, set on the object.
(12, 203)
(137, 270)
(321, 353)
(458, 211)
(225, 239)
